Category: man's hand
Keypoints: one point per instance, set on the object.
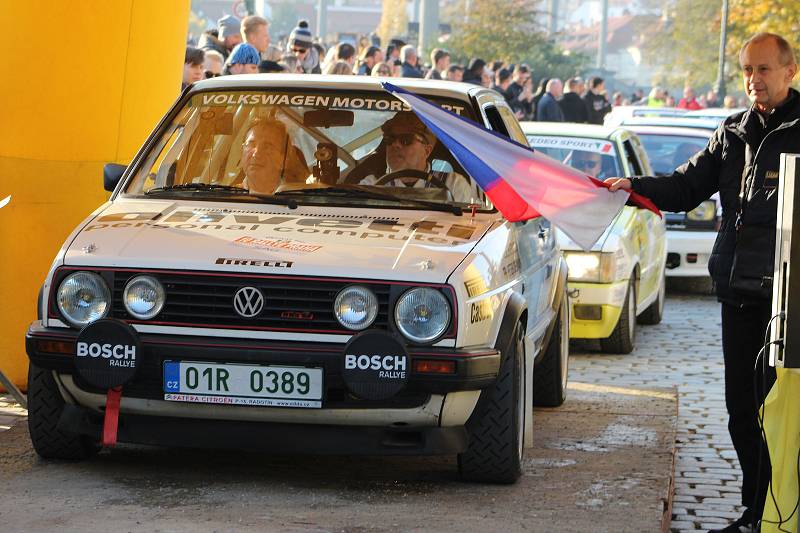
(618, 183)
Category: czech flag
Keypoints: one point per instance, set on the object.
(521, 183)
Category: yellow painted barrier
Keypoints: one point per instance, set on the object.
(87, 83)
(782, 427)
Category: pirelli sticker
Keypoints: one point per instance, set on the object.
(572, 143)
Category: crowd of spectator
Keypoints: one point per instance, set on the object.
(243, 47)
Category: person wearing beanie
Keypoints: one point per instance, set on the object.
(224, 38)
(300, 44)
(230, 31)
(243, 60)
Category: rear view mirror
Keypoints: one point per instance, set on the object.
(327, 118)
(112, 173)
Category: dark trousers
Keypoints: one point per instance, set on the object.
(742, 338)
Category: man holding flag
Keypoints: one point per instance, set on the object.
(741, 161)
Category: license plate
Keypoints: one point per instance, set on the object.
(275, 386)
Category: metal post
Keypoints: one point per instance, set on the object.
(723, 41)
(428, 24)
(553, 17)
(322, 19)
(601, 45)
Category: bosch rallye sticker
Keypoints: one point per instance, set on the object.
(107, 353)
(376, 365)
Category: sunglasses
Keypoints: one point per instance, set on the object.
(406, 139)
(208, 74)
(299, 50)
(586, 164)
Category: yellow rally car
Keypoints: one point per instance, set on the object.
(622, 278)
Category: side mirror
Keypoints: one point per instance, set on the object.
(112, 173)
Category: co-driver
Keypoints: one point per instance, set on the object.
(409, 144)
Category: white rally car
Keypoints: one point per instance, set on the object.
(691, 235)
(328, 315)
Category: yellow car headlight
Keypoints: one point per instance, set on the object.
(593, 267)
(705, 212)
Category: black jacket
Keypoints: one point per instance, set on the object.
(574, 108)
(719, 168)
(598, 107)
(524, 106)
(548, 110)
(410, 71)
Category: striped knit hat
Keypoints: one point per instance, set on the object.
(300, 36)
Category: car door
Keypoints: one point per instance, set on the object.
(536, 241)
(648, 226)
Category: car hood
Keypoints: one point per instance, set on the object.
(402, 244)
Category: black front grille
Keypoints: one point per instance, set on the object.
(290, 304)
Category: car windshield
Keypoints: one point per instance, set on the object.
(668, 152)
(595, 157)
(310, 147)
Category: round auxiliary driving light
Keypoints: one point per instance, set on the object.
(143, 297)
(355, 307)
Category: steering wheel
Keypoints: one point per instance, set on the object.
(418, 175)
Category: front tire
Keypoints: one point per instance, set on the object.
(550, 375)
(495, 429)
(45, 406)
(621, 339)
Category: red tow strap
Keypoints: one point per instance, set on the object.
(111, 419)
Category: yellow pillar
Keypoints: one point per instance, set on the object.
(85, 85)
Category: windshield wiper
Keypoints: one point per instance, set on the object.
(232, 189)
(198, 187)
(361, 192)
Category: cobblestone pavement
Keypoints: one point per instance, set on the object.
(683, 351)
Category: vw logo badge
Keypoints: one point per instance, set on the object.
(248, 302)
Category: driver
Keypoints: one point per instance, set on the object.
(588, 162)
(269, 157)
(409, 144)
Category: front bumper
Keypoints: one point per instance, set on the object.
(608, 297)
(685, 245)
(474, 369)
(272, 437)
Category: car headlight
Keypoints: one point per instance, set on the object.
(422, 314)
(594, 267)
(705, 212)
(355, 307)
(143, 297)
(83, 297)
